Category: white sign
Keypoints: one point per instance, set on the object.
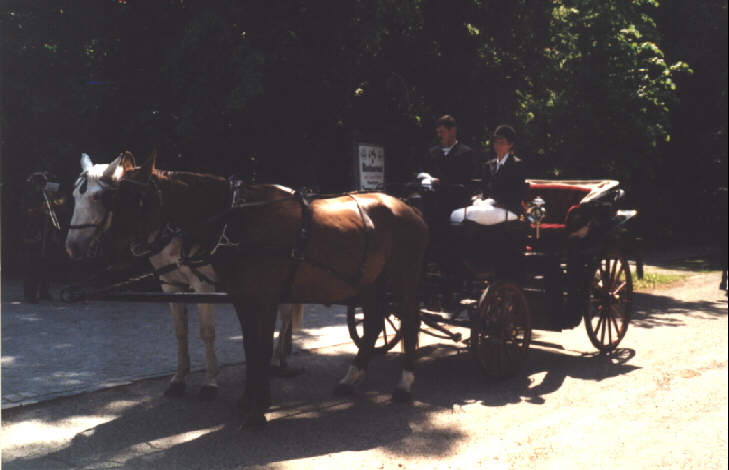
(371, 166)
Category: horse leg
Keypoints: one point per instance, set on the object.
(179, 318)
(372, 300)
(291, 316)
(207, 333)
(257, 322)
(411, 328)
(404, 282)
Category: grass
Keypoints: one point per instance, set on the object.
(652, 281)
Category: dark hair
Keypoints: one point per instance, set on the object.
(447, 121)
(507, 132)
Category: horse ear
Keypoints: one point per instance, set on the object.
(86, 162)
(127, 160)
(148, 166)
(111, 169)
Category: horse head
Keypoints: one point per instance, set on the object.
(98, 194)
(136, 204)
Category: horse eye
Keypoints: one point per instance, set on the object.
(82, 188)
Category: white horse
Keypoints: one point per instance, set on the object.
(91, 218)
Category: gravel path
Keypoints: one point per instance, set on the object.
(659, 402)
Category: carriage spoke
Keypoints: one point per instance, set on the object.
(603, 273)
(610, 332)
(507, 352)
(619, 312)
(617, 328)
(598, 325)
(502, 339)
(613, 277)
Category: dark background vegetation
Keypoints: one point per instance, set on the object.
(634, 90)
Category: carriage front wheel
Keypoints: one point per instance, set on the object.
(610, 303)
(501, 330)
(389, 336)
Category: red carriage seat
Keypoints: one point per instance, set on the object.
(561, 198)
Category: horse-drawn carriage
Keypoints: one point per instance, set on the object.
(274, 245)
(562, 263)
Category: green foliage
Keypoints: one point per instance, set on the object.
(589, 84)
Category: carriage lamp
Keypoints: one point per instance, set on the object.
(536, 212)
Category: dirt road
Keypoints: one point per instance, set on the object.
(659, 402)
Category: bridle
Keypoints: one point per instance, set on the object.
(106, 200)
(105, 223)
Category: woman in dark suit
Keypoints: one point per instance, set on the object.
(504, 178)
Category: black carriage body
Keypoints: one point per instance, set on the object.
(554, 263)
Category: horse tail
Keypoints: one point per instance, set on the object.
(292, 314)
(297, 316)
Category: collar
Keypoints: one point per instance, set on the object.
(502, 162)
(447, 150)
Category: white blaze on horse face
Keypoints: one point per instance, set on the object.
(88, 207)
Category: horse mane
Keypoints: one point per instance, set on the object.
(204, 180)
(190, 197)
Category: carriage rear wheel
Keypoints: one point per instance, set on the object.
(610, 303)
(501, 330)
(389, 336)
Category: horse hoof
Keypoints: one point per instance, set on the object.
(207, 393)
(343, 390)
(176, 389)
(401, 396)
(254, 422)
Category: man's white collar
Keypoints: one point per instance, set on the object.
(447, 150)
(500, 163)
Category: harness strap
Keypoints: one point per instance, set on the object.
(302, 239)
(163, 238)
(193, 265)
(367, 227)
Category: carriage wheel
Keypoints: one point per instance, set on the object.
(501, 330)
(389, 336)
(610, 303)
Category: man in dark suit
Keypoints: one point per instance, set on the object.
(504, 175)
(450, 162)
(451, 166)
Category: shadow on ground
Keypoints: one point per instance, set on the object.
(154, 432)
(652, 310)
(307, 421)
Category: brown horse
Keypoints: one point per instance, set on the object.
(355, 247)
